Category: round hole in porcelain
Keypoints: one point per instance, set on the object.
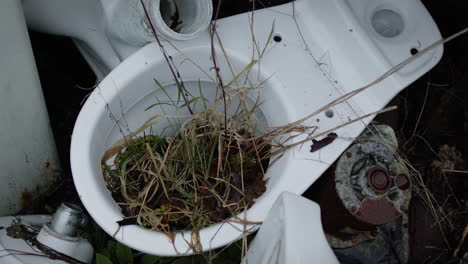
(185, 17)
(329, 113)
(387, 23)
(277, 38)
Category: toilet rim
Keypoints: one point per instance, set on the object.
(105, 212)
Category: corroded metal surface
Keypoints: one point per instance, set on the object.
(364, 198)
(371, 180)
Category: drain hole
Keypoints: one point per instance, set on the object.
(329, 113)
(170, 14)
(184, 16)
(414, 51)
(387, 23)
(277, 38)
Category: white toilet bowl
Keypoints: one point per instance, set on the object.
(320, 51)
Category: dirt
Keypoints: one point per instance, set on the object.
(319, 144)
(20, 231)
(28, 196)
(246, 173)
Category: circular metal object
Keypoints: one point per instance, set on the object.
(370, 180)
(378, 179)
(402, 181)
(67, 219)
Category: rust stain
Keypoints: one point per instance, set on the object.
(27, 197)
(51, 175)
(47, 164)
(377, 211)
(318, 144)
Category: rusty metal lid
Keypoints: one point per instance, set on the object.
(378, 179)
(377, 211)
(402, 181)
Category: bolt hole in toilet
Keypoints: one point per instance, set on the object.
(293, 85)
(414, 51)
(329, 113)
(277, 38)
(387, 23)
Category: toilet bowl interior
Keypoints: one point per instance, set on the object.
(121, 105)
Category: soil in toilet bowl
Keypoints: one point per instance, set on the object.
(203, 175)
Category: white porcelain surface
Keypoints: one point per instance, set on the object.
(28, 161)
(291, 233)
(11, 249)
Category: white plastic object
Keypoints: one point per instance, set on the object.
(16, 250)
(28, 161)
(108, 31)
(313, 59)
(12, 250)
(291, 233)
(75, 247)
(127, 20)
(396, 30)
(60, 233)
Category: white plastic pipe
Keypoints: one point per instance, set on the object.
(291, 233)
(108, 31)
(60, 233)
(173, 19)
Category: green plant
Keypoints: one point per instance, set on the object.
(117, 253)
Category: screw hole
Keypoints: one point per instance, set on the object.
(387, 23)
(277, 38)
(329, 113)
(414, 51)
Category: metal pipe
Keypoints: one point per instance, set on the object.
(67, 219)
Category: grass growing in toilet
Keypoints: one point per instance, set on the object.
(213, 168)
(209, 171)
